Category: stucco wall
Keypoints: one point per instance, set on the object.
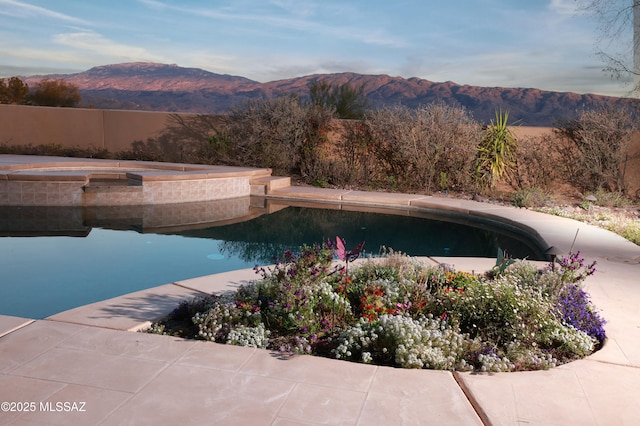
(115, 130)
(77, 127)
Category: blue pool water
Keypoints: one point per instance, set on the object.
(44, 275)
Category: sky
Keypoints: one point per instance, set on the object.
(545, 44)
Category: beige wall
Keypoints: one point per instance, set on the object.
(115, 130)
(77, 127)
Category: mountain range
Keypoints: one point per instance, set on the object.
(162, 87)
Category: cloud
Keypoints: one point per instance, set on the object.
(11, 71)
(18, 9)
(301, 18)
(566, 7)
(296, 7)
(99, 46)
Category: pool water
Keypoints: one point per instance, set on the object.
(44, 275)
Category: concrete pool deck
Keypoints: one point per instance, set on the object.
(84, 367)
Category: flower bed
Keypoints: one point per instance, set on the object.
(397, 311)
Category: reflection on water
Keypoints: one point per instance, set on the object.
(262, 238)
(76, 256)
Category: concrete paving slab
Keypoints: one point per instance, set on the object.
(323, 405)
(133, 311)
(467, 264)
(313, 370)
(216, 356)
(10, 323)
(385, 198)
(185, 395)
(15, 389)
(29, 342)
(412, 397)
(581, 392)
(306, 193)
(217, 283)
(91, 369)
(615, 292)
(143, 346)
(75, 405)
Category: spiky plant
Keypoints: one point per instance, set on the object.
(495, 157)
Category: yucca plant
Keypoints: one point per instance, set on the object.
(496, 153)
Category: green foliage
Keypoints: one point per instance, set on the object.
(496, 152)
(625, 225)
(502, 263)
(611, 199)
(349, 102)
(407, 342)
(397, 311)
(294, 296)
(14, 91)
(629, 230)
(55, 93)
(530, 197)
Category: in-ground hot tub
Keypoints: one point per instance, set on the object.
(58, 181)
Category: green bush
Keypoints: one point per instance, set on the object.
(530, 197)
(348, 101)
(611, 199)
(397, 311)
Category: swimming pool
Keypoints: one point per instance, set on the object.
(46, 272)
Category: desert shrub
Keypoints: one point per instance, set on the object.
(195, 139)
(186, 139)
(279, 133)
(13, 91)
(530, 197)
(427, 149)
(611, 199)
(55, 150)
(282, 134)
(348, 101)
(601, 140)
(353, 162)
(161, 148)
(536, 162)
(55, 93)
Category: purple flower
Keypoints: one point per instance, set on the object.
(576, 309)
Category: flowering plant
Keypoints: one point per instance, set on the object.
(397, 311)
(574, 269)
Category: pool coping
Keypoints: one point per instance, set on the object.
(59, 181)
(601, 389)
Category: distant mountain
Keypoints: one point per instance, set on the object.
(161, 87)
